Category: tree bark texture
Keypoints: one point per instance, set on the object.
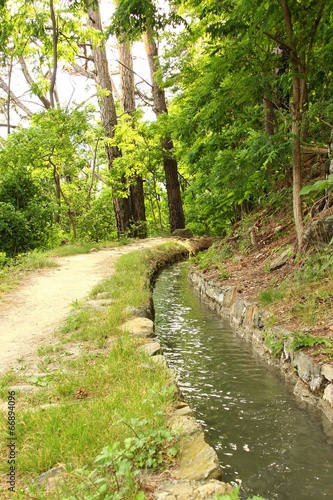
(300, 57)
(109, 119)
(296, 118)
(176, 213)
(127, 88)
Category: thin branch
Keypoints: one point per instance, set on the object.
(276, 39)
(6, 125)
(13, 98)
(100, 178)
(130, 69)
(81, 71)
(30, 82)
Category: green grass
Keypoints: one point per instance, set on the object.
(16, 269)
(270, 295)
(91, 398)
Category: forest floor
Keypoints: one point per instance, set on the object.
(31, 313)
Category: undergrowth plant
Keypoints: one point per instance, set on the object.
(301, 339)
(214, 258)
(276, 342)
(118, 466)
(235, 496)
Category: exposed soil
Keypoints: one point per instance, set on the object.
(30, 315)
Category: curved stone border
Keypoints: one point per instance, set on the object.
(313, 382)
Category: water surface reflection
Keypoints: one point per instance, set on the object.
(261, 435)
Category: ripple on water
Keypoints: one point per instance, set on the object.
(262, 437)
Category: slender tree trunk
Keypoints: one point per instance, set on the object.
(297, 166)
(56, 178)
(296, 125)
(137, 203)
(55, 37)
(109, 120)
(300, 57)
(176, 214)
(8, 95)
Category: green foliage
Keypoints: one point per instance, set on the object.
(134, 17)
(213, 258)
(25, 212)
(275, 342)
(95, 222)
(59, 144)
(148, 449)
(319, 186)
(235, 496)
(140, 143)
(301, 339)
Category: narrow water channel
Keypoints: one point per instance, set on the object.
(263, 439)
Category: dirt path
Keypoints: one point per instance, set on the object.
(30, 314)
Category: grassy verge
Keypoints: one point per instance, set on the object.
(97, 396)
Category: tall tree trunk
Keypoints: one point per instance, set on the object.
(109, 120)
(296, 123)
(55, 37)
(300, 57)
(137, 203)
(176, 214)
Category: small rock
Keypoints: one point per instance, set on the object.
(308, 371)
(140, 311)
(281, 260)
(185, 425)
(320, 231)
(302, 391)
(98, 303)
(152, 348)
(181, 404)
(160, 360)
(198, 460)
(49, 479)
(327, 372)
(103, 295)
(191, 490)
(140, 327)
(182, 233)
(186, 410)
(328, 394)
(46, 406)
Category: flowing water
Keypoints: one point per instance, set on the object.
(263, 438)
